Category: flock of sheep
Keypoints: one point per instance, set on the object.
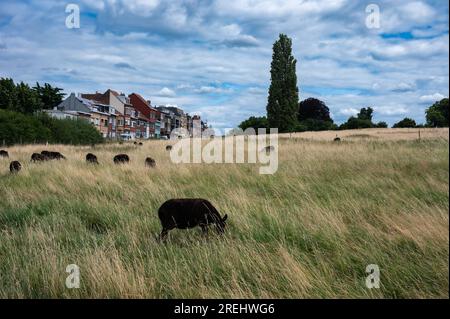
(181, 213)
(16, 166)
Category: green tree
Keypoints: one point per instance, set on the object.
(354, 123)
(8, 94)
(17, 127)
(27, 99)
(283, 91)
(406, 122)
(49, 96)
(74, 132)
(365, 114)
(314, 115)
(254, 122)
(437, 115)
(381, 125)
(362, 120)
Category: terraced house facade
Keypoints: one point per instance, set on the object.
(117, 116)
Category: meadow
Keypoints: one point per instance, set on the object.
(308, 231)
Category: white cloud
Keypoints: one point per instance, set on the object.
(166, 92)
(224, 47)
(404, 87)
(349, 111)
(404, 15)
(212, 89)
(391, 110)
(139, 7)
(432, 97)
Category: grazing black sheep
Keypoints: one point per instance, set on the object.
(36, 157)
(140, 144)
(150, 162)
(121, 159)
(168, 147)
(46, 154)
(15, 167)
(268, 149)
(188, 213)
(135, 143)
(4, 153)
(337, 139)
(57, 155)
(53, 155)
(91, 158)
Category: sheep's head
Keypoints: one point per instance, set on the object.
(221, 223)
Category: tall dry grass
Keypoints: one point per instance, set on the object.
(308, 231)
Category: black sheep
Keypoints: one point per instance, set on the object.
(36, 157)
(4, 153)
(15, 167)
(91, 158)
(121, 159)
(150, 162)
(53, 155)
(268, 149)
(188, 213)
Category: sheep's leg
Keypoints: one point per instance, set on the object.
(204, 230)
(163, 235)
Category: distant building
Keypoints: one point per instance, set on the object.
(100, 115)
(165, 120)
(127, 117)
(64, 115)
(150, 114)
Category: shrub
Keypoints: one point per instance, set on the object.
(438, 114)
(406, 122)
(22, 128)
(312, 108)
(317, 125)
(254, 122)
(381, 125)
(354, 123)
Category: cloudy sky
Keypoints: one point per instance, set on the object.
(212, 57)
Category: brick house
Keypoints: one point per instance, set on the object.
(149, 114)
(121, 121)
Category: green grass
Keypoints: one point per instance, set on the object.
(309, 231)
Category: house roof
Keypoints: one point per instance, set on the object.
(113, 92)
(97, 97)
(101, 97)
(140, 98)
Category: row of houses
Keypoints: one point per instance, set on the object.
(118, 116)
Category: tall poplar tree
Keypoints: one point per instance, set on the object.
(282, 103)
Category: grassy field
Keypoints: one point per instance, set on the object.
(309, 231)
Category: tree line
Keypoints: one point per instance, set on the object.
(22, 119)
(288, 115)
